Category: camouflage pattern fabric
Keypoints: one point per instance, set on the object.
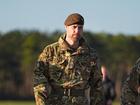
(130, 89)
(61, 67)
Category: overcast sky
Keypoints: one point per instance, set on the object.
(112, 16)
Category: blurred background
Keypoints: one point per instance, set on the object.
(27, 26)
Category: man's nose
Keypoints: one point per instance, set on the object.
(77, 30)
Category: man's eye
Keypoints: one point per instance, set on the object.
(80, 27)
(74, 27)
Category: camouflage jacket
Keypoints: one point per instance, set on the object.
(131, 87)
(61, 65)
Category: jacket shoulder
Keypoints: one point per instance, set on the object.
(51, 48)
(93, 52)
(49, 51)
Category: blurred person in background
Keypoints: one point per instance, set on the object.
(108, 86)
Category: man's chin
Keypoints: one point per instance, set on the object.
(76, 39)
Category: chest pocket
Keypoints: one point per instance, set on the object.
(85, 66)
(56, 68)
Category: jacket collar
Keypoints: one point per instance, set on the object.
(83, 47)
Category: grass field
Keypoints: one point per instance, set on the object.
(28, 103)
(116, 103)
(17, 103)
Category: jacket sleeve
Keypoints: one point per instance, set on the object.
(130, 86)
(97, 97)
(41, 77)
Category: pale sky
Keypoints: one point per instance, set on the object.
(112, 16)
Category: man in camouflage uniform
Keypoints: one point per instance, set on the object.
(131, 87)
(67, 72)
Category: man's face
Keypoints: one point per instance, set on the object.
(74, 32)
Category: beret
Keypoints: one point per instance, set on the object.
(74, 18)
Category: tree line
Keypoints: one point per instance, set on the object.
(21, 48)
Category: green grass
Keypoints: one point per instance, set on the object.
(30, 103)
(17, 102)
(116, 103)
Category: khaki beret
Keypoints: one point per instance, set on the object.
(74, 18)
